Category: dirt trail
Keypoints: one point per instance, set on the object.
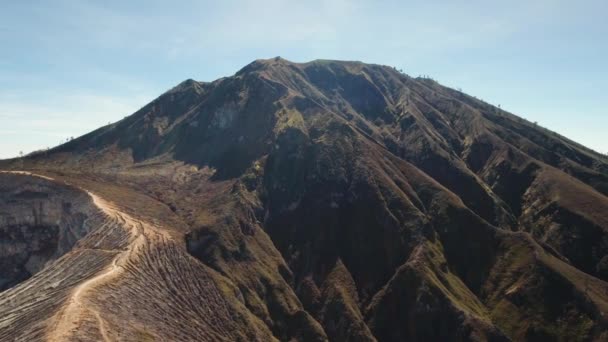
(76, 310)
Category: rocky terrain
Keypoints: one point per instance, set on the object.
(316, 201)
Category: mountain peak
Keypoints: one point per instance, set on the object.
(261, 64)
(281, 63)
(327, 200)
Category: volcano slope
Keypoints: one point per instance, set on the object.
(312, 201)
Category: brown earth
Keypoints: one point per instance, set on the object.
(312, 201)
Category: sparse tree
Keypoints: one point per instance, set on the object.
(20, 153)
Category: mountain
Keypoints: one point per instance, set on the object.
(316, 201)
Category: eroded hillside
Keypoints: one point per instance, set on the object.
(320, 201)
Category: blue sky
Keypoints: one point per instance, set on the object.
(68, 67)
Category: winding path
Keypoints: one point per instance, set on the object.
(75, 309)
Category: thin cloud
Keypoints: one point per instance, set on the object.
(68, 115)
